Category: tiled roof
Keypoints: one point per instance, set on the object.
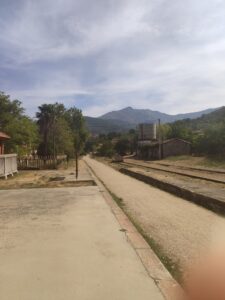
(4, 135)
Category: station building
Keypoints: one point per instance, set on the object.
(152, 147)
(3, 137)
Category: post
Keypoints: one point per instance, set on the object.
(76, 162)
(159, 139)
(5, 172)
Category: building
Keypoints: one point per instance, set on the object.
(147, 131)
(8, 162)
(149, 150)
(3, 137)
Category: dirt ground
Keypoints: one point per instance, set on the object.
(182, 229)
(195, 161)
(205, 187)
(48, 178)
(193, 173)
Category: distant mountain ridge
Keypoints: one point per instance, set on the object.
(205, 121)
(135, 116)
(101, 126)
(128, 118)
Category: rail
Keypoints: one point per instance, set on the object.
(8, 165)
(175, 170)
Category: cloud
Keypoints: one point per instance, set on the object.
(107, 54)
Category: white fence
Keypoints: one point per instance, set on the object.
(8, 165)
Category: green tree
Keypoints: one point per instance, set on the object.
(123, 146)
(213, 140)
(63, 138)
(22, 129)
(56, 135)
(106, 149)
(178, 130)
(79, 131)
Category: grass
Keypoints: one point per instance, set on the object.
(172, 266)
(118, 200)
(213, 162)
(216, 161)
(178, 158)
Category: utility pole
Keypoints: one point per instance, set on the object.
(77, 151)
(76, 162)
(54, 142)
(159, 139)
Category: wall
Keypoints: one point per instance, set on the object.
(146, 132)
(176, 147)
(8, 165)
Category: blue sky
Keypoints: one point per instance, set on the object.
(103, 55)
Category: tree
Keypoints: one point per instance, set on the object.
(106, 149)
(79, 131)
(178, 129)
(123, 146)
(63, 138)
(213, 140)
(55, 131)
(22, 129)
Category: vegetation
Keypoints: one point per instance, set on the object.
(57, 130)
(109, 144)
(56, 137)
(62, 131)
(22, 129)
(101, 126)
(212, 161)
(77, 125)
(207, 133)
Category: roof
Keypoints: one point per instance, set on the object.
(4, 136)
(176, 139)
(156, 143)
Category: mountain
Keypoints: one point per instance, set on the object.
(128, 118)
(101, 126)
(135, 116)
(205, 121)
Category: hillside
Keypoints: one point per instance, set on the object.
(205, 121)
(135, 116)
(128, 118)
(101, 126)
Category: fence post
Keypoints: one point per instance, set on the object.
(5, 168)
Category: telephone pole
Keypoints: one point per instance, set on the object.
(159, 139)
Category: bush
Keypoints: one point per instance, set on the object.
(106, 149)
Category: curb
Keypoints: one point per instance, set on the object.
(210, 203)
(167, 285)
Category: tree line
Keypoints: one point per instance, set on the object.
(55, 130)
(206, 134)
(59, 130)
(113, 143)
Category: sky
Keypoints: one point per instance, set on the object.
(103, 55)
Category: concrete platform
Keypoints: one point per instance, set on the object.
(65, 243)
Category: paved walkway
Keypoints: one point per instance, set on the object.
(65, 243)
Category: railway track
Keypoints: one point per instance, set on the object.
(199, 169)
(207, 175)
